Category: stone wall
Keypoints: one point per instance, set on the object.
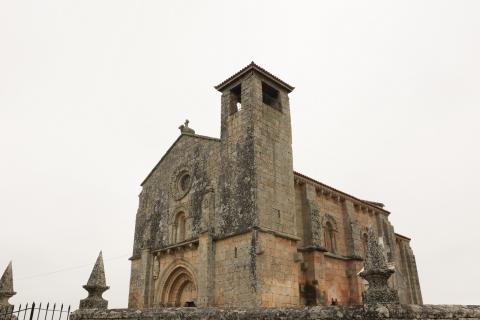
(157, 241)
(229, 220)
(357, 312)
(332, 270)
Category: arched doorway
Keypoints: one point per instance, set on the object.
(179, 288)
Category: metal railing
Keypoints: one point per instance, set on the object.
(34, 312)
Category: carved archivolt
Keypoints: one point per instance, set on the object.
(328, 218)
(178, 285)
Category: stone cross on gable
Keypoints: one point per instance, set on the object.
(184, 128)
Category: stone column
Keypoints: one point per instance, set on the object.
(313, 258)
(206, 254)
(314, 229)
(352, 235)
(354, 250)
(205, 271)
(413, 274)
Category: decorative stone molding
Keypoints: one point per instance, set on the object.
(181, 182)
(186, 244)
(339, 196)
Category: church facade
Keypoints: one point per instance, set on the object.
(228, 223)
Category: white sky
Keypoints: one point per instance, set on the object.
(386, 107)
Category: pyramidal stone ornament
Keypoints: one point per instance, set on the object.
(377, 272)
(96, 286)
(6, 287)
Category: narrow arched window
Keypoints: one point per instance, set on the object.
(180, 222)
(330, 237)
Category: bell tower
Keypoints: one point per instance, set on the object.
(256, 215)
(256, 136)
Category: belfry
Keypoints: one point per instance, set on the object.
(227, 222)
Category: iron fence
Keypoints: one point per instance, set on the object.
(34, 312)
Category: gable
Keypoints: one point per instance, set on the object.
(192, 138)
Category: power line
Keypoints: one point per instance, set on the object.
(45, 274)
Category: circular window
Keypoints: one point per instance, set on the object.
(182, 183)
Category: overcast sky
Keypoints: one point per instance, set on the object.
(386, 107)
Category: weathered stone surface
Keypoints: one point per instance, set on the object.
(377, 272)
(95, 286)
(377, 312)
(227, 222)
(6, 286)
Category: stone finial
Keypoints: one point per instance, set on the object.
(95, 286)
(377, 272)
(6, 287)
(184, 128)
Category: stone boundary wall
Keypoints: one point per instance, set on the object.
(357, 312)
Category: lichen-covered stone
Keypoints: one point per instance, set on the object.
(372, 312)
(95, 286)
(6, 286)
(377, 272)
(227, 222)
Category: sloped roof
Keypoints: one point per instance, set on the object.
(257, 68)
(367, 203)
(197, 136)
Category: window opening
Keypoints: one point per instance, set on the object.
(184, 182)
(270, 96)
(236, 99)
(180, 222)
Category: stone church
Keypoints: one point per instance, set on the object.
(228, 223)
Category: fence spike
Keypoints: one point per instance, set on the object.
(60, 315)
(46, 310)
(25, 311)
(68, 312)
(53, 310)
(32, 311)
(39, 310)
